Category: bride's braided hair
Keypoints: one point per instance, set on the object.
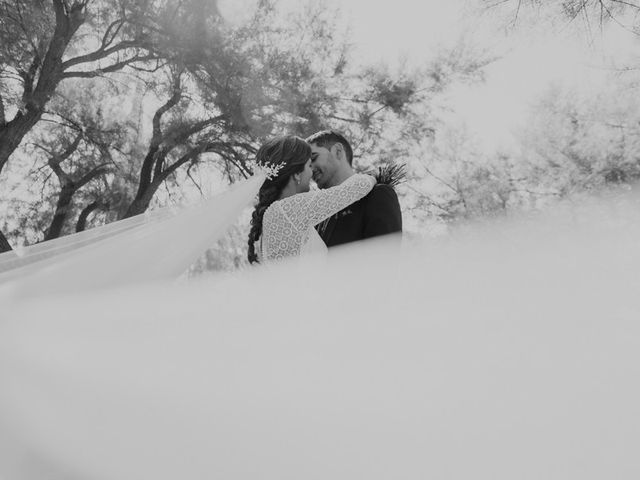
(290, 154)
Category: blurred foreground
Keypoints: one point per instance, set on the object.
(507, 351)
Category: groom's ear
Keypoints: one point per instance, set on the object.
(339, 151)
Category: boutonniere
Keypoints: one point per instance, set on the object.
(344, 213)
(390, 174)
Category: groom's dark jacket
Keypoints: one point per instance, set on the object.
(376, 214)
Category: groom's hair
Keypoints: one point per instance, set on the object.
(328, 138)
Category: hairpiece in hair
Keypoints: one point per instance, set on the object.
(269, 171)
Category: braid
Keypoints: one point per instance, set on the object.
(290, 154)
(268, 195)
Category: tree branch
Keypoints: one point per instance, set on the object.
(84, 214)
(612, 17)
(223, 149)
(2, 115)
(55, 160)
(159, 66)
(159, 164)
(91, 174)
(239, 164)
(101, 53)
(57, 169)
(168, 105)
(172, 140)
(117, 25)
(515, 18)
(370, 115)
(178, 163)
(210, 147)
(20, 21)
(68, 20)
(193, 180)
(71, 148)
(110, 68)
(151, 168)
(28, 78)
(622, 2)
(343, 119)
(5, 246)
(428, 199)
(444, 182)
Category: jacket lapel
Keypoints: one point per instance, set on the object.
(326, 229)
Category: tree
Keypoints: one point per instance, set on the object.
(593, 13)
(199, 93)
(72, 148)
(575, 142)
(262, 81)
(41, 45)
(44, 44)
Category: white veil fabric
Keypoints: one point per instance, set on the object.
(149, 247)
(500, 353)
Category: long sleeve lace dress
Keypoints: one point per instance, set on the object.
(287, 226)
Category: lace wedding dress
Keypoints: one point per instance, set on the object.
(287, 227)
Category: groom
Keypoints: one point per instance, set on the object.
(376, 214)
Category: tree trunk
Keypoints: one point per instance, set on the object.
(62, 210)
(50, 75)
(5, 246)
(141, 203)
(144, 196)
(81, 225)
(12, 133)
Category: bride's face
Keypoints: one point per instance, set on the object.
(305, 177)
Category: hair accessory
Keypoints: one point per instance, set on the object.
(269, 171)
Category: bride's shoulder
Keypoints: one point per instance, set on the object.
(280, 206)
(272, 209)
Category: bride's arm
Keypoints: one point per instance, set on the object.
(307, 209)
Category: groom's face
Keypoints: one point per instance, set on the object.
(324, 165)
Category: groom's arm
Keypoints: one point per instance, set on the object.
(382, 212)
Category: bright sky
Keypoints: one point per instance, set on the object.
(531, 58)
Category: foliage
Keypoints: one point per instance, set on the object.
(573, 142)
(143, 94)
(576, 142)
(593, 14)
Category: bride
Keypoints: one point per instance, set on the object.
(286, 211)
